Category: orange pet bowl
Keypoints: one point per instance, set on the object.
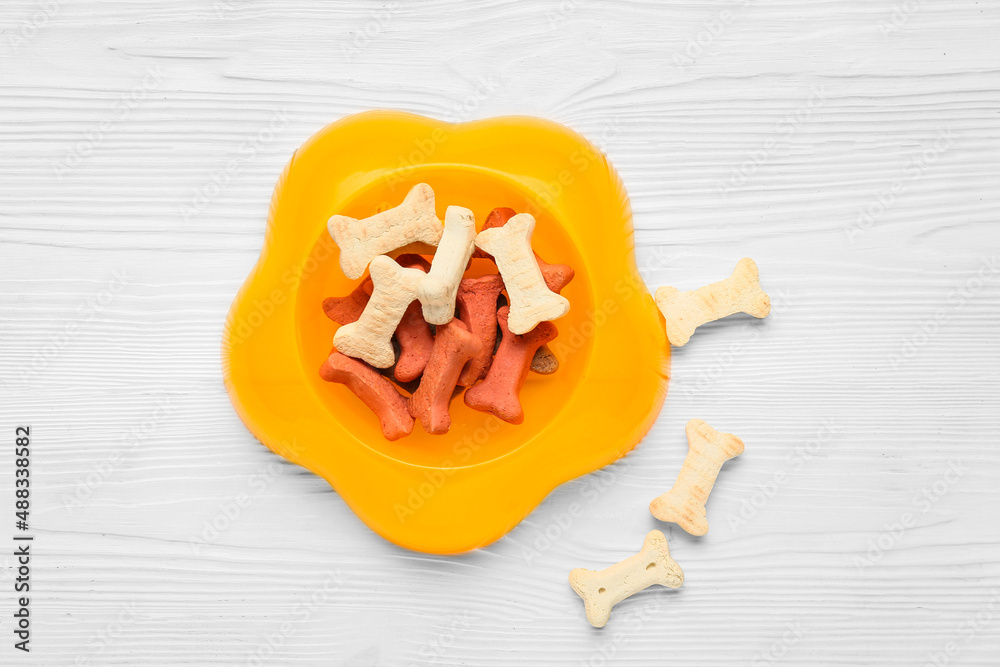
(449, 493)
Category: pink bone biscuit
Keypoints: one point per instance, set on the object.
(413, 334)
(498, 393)
(374, 390)
(477, 308)
(453, 346)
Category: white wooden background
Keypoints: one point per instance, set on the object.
(761, 128)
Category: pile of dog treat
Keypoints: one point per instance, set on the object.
(399, 328)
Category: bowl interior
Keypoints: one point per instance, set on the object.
(475, 437)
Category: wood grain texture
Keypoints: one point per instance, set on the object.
(851, 148)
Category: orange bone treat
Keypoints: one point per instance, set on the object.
(415, 343)
(556, 276)
(453, 346)
(413, 334)
(347, 309)
(477, 308)
(374, 390)
(498, 393)
(413, 261)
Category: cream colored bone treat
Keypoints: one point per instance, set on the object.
(370, 337)
(603, 590)
(438, 289)
(362, 240)
(531, 301)
(684, 504)
(686, 311)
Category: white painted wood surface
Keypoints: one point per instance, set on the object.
(879, 366)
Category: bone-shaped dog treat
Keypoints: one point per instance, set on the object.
(531, 301)
(556, 276)
(360, 241)
(498, 393)
(413, 333)
(498, 217)
(603, 590)
(415, 342)
(477, 308)
(686, 311)
(413, 261)
(370, 337)
(544, 362)
(684, 504)
(437, 291)
(374, 390)
(347, 309)
(453, 346)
